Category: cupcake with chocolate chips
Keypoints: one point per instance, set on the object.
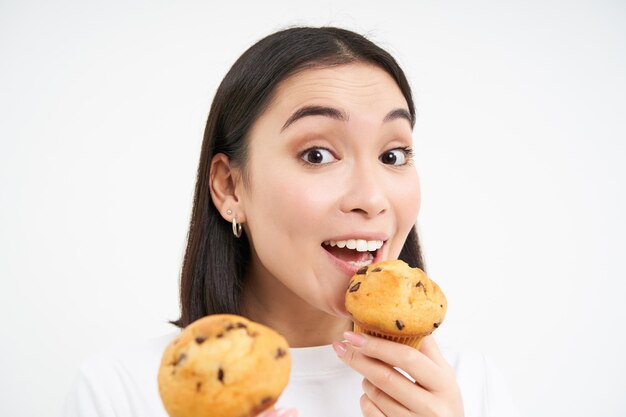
(389, 299)
(223, 365)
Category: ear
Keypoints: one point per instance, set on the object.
(224, 185)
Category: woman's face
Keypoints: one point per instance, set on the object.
(331, 183)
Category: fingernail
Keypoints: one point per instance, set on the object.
(339, 348)
(355, 339)
(285, 412)
(271, 412)
(280, 412)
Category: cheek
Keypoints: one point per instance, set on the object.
(412, 198)
(404, 191)
(406, 204)
(287, 204)
(286, 215)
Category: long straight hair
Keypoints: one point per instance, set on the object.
(215, 260)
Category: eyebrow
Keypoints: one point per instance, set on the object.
(341, 116)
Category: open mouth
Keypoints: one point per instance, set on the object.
(354, 252)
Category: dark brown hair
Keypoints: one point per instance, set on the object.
(215, 260)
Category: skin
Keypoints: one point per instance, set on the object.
(292, 202)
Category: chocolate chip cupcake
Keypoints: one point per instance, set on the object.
(223, 365)
(389, 299)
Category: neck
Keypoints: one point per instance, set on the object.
(270, 303)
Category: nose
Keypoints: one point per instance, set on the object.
(366, 192)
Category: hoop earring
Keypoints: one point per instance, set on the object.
(236, 228)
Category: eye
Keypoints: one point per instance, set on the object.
(397, 157)
(317, 156)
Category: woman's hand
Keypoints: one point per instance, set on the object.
(388, 392)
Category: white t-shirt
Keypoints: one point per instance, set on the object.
(122, 382)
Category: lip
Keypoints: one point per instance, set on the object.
(347, 268)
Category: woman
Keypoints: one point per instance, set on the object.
(305, 175)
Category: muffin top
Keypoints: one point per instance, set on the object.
(223, 365)
(392, 298)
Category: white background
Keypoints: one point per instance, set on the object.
(520, 145)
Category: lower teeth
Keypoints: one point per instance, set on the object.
(360, 264)
(363, 263)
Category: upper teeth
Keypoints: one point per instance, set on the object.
(359, 244)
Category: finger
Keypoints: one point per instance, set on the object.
(386, 404)
(384, 376)
(368, 408)
(430, 348)
(420, 367)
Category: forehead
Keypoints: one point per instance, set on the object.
(354, 87)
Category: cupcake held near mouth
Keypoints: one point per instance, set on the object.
(391, 300)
